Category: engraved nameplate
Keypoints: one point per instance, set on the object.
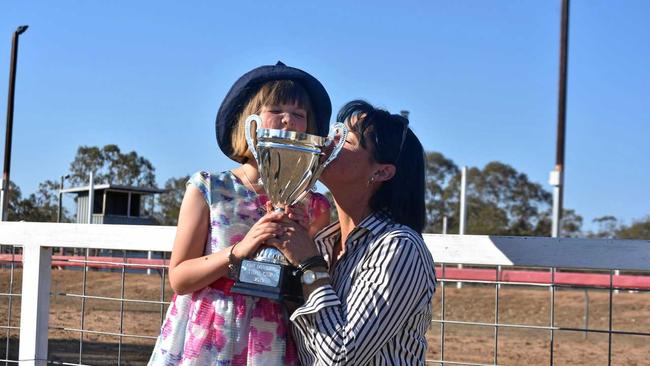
(260, 273)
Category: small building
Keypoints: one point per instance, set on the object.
(114, 204)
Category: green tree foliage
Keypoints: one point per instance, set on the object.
(504, 189)
(41, 206)
(170, 201)
(500, 201)
(439, 193)
(110, 165)
(13, 201)
(571, 224)
(638, 230)
(607, 227)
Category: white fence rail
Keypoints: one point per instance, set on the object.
(37, 239)
(540, 251)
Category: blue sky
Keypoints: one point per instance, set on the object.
(479, 78)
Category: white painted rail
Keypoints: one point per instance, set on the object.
(540, 251)
(37, 239)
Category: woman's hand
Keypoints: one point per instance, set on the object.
(298, 213)
(294, 242)
(264, 229)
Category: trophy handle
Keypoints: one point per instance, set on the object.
(330, 139)
(335, 152)
(249, 137)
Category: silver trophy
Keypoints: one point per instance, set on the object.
(289, 164)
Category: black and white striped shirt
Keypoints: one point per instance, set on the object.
(378, 308)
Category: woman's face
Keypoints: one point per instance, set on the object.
(353, 165)
(288, 117)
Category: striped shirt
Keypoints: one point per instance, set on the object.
(378, 307)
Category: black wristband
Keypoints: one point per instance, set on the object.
(315, 261)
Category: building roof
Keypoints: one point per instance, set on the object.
(115, 187)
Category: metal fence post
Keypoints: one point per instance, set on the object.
(463, 210)
(35, 305)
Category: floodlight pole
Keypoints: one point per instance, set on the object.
(4, 193)
(557, 175)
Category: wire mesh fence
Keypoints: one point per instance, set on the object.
(105, 308)
(106, 305)
(109, 310)
(10, 284)
(540, 316)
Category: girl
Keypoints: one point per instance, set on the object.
(223, 220)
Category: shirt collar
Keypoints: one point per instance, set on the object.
(375, 222)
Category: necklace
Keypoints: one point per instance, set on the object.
(260, 207)
(248, 180)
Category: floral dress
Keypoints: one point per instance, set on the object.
(214, 326)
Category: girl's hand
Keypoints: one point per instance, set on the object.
(264, 229)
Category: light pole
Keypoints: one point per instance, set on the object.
(557, 175)
(58, 216)
(4, 194)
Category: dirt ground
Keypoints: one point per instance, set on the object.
(462, 343)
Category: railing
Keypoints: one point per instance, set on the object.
(529, 309)
(36, 241)
(497, 272)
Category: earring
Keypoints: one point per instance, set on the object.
(371, 181)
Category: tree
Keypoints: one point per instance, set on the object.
(571, 224)
(14, 197)
(41, 206)
(110, 165)
(607, 227)
(439, 172)
(500, 200)
(486, 218)
(522, 200)
(639, 230)
(170, 201)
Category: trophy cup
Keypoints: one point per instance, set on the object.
(289, 164)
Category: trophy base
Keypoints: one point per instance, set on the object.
(269, 280)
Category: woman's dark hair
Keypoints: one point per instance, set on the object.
(390, 141)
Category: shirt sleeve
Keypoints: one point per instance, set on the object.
(389, 285)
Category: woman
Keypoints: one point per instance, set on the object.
(373, 304)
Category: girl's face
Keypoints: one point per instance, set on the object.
(288, 117)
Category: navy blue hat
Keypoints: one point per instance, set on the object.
(247, 85)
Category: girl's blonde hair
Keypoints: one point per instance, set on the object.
(270, 93)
